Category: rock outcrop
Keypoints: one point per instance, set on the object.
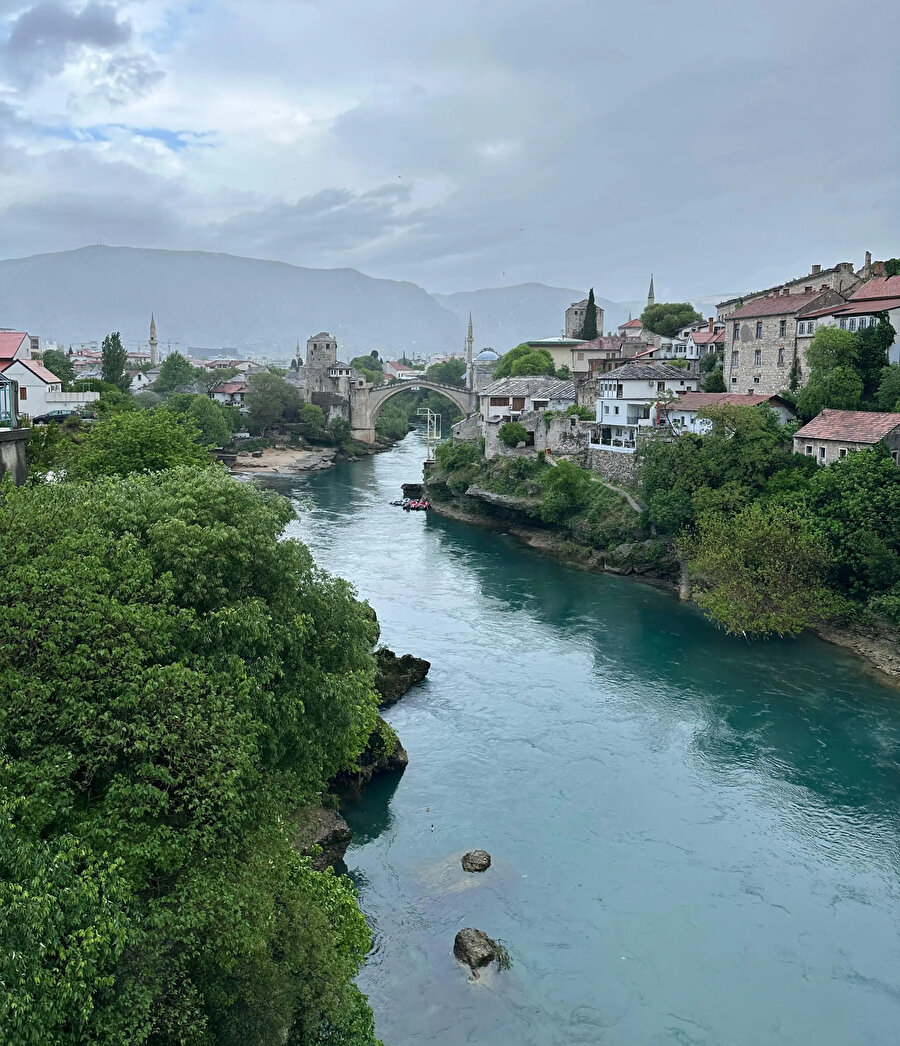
(476, 861)
(475, 948)
(382, 755)
(394, 676)
(322, 826)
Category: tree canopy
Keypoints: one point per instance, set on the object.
(196, 680)
(668, 318)
(114, 357)
(524, 359)
(271, 401)
(589, 327)
(845, 368)
(59, 364)
(176, 370)
(449, 372)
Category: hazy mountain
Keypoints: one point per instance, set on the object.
(505, 316)
(218, 300)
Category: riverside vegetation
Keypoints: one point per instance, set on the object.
(772, 542)
(178, 681)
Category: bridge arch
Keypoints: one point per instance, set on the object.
(366, 403)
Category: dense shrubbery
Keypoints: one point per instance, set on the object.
(176, 681)
(512, 433)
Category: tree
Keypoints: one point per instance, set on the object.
(271, 401)
(138, 441)
(197, 679)
(714, 381)
(872, 347)
(667, 318)
(448, 372)
(370, 366)
(510, 363)
(892, 267)
(114, 358)
(59, 364)
(830, 347)
(567, 490)
(176, 370)
(211, 421)
(512, 433)
(839, 389)
(589, 328)
(888, 397)
(760, 571)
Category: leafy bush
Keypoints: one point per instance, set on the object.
(512, 433)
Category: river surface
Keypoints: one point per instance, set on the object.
(695, 839)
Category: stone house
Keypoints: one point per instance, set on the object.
(764, 338)
(627, 398)
(231, 394)
(575, 318)
(683, 414)
(840, 278)
(834, 434)
(507, 398)
(605, 348)
(556, 434)
(876, 296)
(631, 329)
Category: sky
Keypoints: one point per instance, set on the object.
(722, 146)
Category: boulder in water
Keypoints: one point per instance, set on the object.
(476, 861)
(475, 948)
(322, 832)
(395, 675)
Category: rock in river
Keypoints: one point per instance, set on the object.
(383, 755)
(322, 826)
(395, 675)
(476, 861)
(475, 948)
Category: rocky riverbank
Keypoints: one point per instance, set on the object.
(281, 460)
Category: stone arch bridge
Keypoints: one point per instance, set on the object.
(366, 402)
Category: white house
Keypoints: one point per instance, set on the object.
(231, 394)
(683, 413)
(507, 398)
(879, 295)
(40, 390)
(139, 380)
(632, 329)
(16, 345)
(626, 397)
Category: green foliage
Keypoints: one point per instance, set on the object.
(59, 364)
(138, 441)
(584, 413)
(371, 367)
(872, 346)
(145, 399)
(197, 678)
(840, 389)
(114, 358)
(213, 422)
(679, 363)
(888, 396)
(49, 449)
(524, 359)
(892, 267)
(392, 423)
(845, 368)
(759, 571)
(512, 433)
(831, 347)
(564, 372)
(272, 401)
(589, 328)
(459, 463)
(176, 370)
(709, 361)
(714, 381)
(448, 372)
(667, 318)
(567, 490)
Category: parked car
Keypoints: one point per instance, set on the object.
(59, 416)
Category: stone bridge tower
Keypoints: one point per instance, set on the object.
(321, 356)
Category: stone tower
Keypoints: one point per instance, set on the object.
(154, 343)
(321, 356)
(651, 297)
(470, 339)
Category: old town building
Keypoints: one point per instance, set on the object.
(834, 434)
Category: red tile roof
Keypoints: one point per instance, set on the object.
(230, 387)
(40, 371)
(708, 337)
(10, 342)
(852, 426)
(878, 287)
(864, 307)
(700, 400)
(630, 324)
(776, 305)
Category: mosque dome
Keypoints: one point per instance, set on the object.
(487, 356)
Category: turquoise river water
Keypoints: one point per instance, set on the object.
(695, 838)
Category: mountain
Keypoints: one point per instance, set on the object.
(218, 300)
(505, 316)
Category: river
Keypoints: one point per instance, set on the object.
(695, 838)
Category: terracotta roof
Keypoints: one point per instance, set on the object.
(864, 307)
(776, 305)
(700, 400)
(852, 426)
(40, 371)
(230, 387)
(708, 337)
(10, 341)
(630, 324)
(878, 287)
(648, 372)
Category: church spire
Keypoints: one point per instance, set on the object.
(651, 297)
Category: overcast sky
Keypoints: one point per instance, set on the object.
(724, 146)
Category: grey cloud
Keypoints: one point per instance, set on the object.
(125, 77)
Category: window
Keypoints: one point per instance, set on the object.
(872, 321)
(23, 393)
(616, 411)
(757, 358)
(734, 381)
(518, 403)
(606, 408)
(821, 453)
(895, 456)
(499, 401)
(735, 331)
(843, 324)
(756, 380)
(852, 324)
(782, 328)
(808, 449)
(734, 358)
(781, 357)
(842, 453)
(759, 328)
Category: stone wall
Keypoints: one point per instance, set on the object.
(835, 449)
(613, 465)
(560, 435)
(468, 430)
(12, 454)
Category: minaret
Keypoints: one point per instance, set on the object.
(651, 297)
(469, 341)
(154, 344)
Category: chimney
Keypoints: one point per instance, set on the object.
(711, 322)
(816, 269)
(868, 259)
(879, 268)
